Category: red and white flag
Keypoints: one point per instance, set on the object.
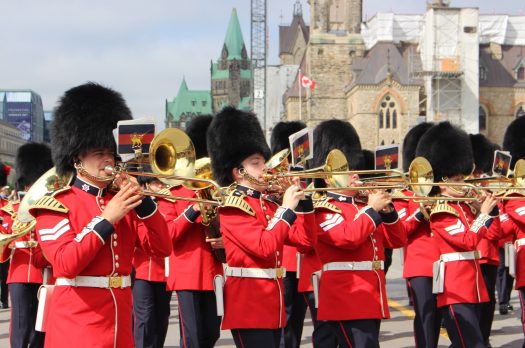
(306, 82)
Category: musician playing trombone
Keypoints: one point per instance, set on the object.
(88, 234)
(457, 228)
(254, 230)
(352, 232)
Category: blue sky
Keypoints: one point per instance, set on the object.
(143, 49)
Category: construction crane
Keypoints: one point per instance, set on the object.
(259, 36)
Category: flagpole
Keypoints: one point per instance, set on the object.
(300, 100)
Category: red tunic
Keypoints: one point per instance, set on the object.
(420, 250)
(77, 243)
(192, 264)
(26, 263)
(355, 233)
(256, 241)
(457, 231)
(515, 209)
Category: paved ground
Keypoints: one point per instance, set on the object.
(395, 333)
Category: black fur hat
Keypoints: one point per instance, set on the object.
(514, 141)
(84, 120)
(4, 173)
(337, 134)
(196, 130)
(483, 150)
(233, 136)
(280, 133)
(448, 150)
(32, 161)
(410, 142)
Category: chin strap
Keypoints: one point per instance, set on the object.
(81, 170)
(250, 178)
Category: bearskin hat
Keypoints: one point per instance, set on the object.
(410, 142)
(337, 134)
(32, 161)
(4, 173)
(483, 150)
(196, 130)
(514, 141)
(233, 136)
(448, 150)
(281, 132)
(84, 120)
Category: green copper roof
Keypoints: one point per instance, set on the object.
(189, 102)
(234, 41)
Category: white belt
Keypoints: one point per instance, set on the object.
(462, 256)
(354, 266)
(26, 244)
(96, 282)
(264, 273)
(519, 242)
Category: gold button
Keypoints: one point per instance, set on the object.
(267, 217)
(116, 264)
(375, 248)
(116, 257)
(277, 253)
(264, 207)
(278, 263)
(114, 236)
(115, 244)
(377, 257)
(373, 240)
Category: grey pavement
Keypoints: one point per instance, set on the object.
(395, 332)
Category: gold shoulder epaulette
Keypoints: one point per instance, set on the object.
(166, 191)
(325, 204)
(515, 191)
(8, 208)
(443, 207)
(399, 195)
(49, 202)
(236, 200)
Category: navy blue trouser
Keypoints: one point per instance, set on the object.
(198, 320)
(427, 321)
(363, 333)
(486, 318)
(24, 305)
(462, 323)
(295, 309)
(4, 292)
(256, 338)
(505, 281)
(151, 312)
(323, 336)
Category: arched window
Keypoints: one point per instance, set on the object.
(520, 112)
(482, 119)
(388, 113)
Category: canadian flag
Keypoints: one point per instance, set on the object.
(306, 82)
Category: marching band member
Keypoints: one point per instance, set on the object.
(352, 234)
(192, 264)
(27, 261)
(295, 306)
(4, 263)
(89, 234)
(151, 299)
(457, 232)
(483, 151)
(514, 142)
(420, 252)
(254, 230)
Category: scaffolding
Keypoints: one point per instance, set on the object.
(259, 36)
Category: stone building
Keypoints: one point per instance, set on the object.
(230, 82)
(394, 71)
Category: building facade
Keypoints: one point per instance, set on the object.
(394, 71)
(24, 110)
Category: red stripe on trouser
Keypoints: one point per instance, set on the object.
(522, 310)
(240, 338)
(457, 325)
(181, 321)
(344, 334)
(413, 306)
